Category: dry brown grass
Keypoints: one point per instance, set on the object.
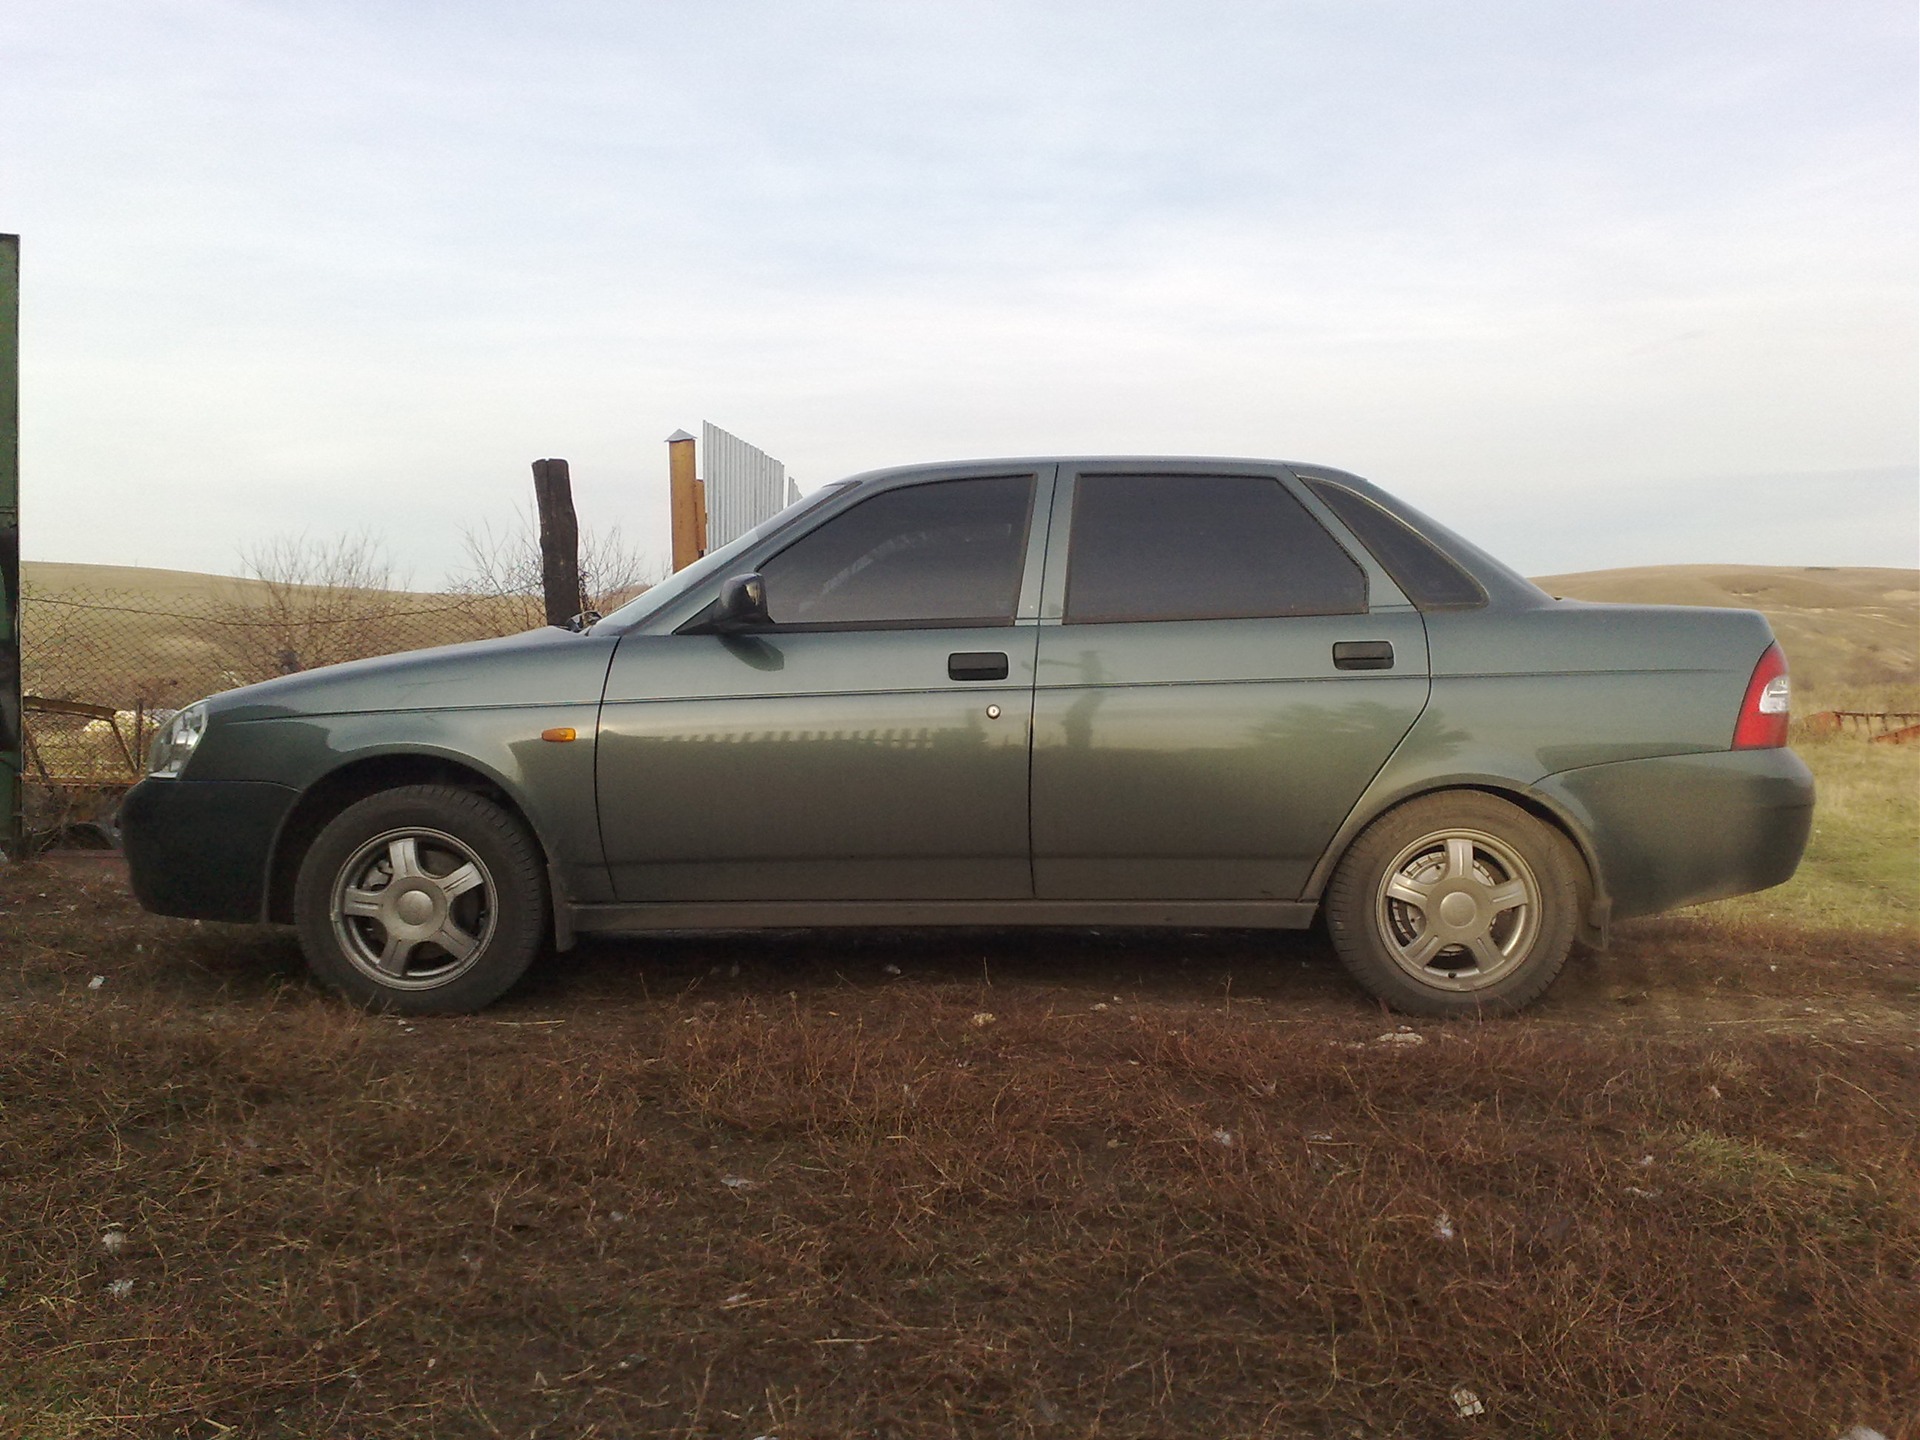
(1176, 1186)
(1851, 635)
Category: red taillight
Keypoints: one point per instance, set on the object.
(1763, 714)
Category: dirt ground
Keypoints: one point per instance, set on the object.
(1690, 973)
(952, 1183)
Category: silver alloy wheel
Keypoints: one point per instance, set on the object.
(414, 909)
(1459, 910)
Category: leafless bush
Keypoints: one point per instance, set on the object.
(503, 570)
(315, 601)
(304, 601)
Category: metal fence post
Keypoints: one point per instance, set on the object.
(12, 837)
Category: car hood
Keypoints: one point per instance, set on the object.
(548, 666)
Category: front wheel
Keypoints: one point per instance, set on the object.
(421, 899)
(1456, 904)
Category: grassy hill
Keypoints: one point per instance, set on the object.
(126, 636)
(160, 588)
(1852, 635)
(140, 585)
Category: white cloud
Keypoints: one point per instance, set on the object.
(332, 264)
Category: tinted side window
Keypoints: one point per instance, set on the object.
(1418, 566)
(950, 551)
(1196, 547)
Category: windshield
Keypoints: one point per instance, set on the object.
(657, 597)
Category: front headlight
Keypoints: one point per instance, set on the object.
(173, 746)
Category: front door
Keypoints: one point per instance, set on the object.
(1218, 681)
(871, 745)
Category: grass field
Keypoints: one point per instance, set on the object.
(1863, 863)
(122, 636)
(978, 1184)
(1087, 1184)
(1852, 636)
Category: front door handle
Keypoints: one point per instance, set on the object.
(1363, 655)
(977, 665)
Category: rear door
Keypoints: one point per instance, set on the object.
(1217, 681)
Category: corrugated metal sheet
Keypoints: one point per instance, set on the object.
(745, 485)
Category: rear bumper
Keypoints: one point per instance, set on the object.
(1679, 829)
(200, 848)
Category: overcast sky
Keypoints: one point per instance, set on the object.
(1599, 285)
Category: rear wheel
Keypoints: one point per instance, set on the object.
(421, 899)
(1456, 904)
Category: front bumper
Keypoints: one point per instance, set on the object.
(1680, 829)
(201, 848)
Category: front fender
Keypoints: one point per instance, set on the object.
(550, 781)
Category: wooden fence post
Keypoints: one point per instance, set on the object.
(687, 501)
(559, 542)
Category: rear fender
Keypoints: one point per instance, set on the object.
(1544, 804)
(1681, 829)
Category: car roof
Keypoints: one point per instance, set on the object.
(1170, 463)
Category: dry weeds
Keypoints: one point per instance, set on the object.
(1174, 1186)
(1852, 633)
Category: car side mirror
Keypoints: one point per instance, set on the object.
(742, 605)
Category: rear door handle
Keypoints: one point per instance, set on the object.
(1363, 655)
(977, 665)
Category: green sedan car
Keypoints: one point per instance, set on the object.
(1135, 691)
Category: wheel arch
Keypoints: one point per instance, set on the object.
(1595, 904)
(354, 781)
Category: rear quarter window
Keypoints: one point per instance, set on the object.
(1428, 576)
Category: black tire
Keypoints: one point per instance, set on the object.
(421, 900)
(1456, 904)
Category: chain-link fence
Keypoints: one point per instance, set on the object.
(102, 671)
